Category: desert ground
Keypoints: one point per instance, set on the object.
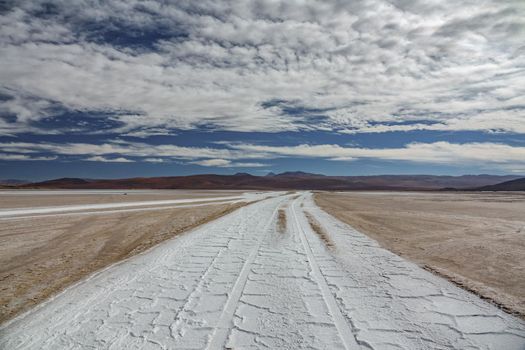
(278, 273)
(476, 240)
(51, 239)
(44, 198)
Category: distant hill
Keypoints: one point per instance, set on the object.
(284, 181)
(512, 185)
(65, 182)
(12, 182)
(298, 174)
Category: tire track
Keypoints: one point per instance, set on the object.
(224, 325)
(182, 315)
(112, 302)
(345, 331)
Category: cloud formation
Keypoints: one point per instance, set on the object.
(262, 65)
(498, 156)
(108, 160)
(23, 157)
(437, 152)
(225, 163)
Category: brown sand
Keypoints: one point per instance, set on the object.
(41, 256)
(281, 221)
(319, 230)
(477, 240)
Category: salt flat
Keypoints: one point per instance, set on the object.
(243, 282)
(51, 239)
(24, 199)
(17, 212)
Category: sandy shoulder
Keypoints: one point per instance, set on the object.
(477, 240)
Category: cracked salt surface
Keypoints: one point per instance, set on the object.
(239, 282)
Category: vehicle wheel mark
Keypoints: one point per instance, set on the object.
(175, 328)
(220, 335)
(345, 332)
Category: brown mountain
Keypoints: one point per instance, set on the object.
(513, 185)
(283, 181)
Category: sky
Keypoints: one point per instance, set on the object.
(125, 88)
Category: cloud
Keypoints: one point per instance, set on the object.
(213, 162)
(109, 160)
(482, 154)
(117, 147)
(224, 163)
(360, 66)
(433, 153)
(154, 160)
(248, 165)
(9, 157)
(121, 151)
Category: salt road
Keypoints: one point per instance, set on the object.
(19, 212)
(244, 282)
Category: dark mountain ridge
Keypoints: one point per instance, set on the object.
(512, 185)
(283, 181)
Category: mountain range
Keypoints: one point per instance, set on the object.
(512, 185)
(296, 180)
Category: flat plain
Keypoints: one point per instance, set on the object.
(279, 273)
(41, 253)
(477, 240)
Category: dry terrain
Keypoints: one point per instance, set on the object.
(476, 240)
(246, 281)
(40, 255)
(44, 198)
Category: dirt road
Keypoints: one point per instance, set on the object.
(245, 281)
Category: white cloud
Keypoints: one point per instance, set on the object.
(501, 155)
(134, 149)
(154, 160)
(224, 163)
(213, 162)
(483, 154)
(109, 160)
(366, 65)
(117, 150)
(247, 165)
(8, 156)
